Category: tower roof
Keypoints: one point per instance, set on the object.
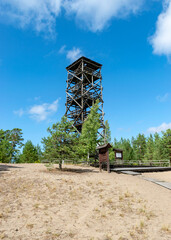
(90, 63)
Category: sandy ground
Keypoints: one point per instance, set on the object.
(162, 176)
(81, 203)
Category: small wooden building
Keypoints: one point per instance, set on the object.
(104, 155)
(118, 155)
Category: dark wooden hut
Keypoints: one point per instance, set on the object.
(104, 155)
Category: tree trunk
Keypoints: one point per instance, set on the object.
(60, 165)
(88, 158)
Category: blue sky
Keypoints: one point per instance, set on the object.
(131, 38)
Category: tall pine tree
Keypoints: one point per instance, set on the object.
(149, 148)
(30, 154)
(166, 142)
(157, 154)
(10, 143)
(89, 135)
(139, 147)
(60, 144)
(107, 132)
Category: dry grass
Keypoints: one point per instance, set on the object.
(166, 229)
(43, 204)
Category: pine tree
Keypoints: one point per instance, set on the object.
(125, 145)
(116, 143)
(166, 145)
(16, 140)
(134, 147)
(139, 146)
(149, 148)
(5, 147)
(111, 153)
(30, 154)
(157, 154)
(89, 135)
(127, 149)
(59, 145)
(107, 132)
(10, 142)
(39, 152)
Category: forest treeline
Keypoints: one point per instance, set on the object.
(11, 142)
(154, 147)
(64, 142)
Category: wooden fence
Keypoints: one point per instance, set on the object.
(160, 163)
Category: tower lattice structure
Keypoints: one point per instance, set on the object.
(84, 87)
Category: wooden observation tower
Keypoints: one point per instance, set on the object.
(84, 87)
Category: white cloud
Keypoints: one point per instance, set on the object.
(74, 54)
(161, 40)
(95, 14)
(162, 127)
(43, 111)
(163, 98)
(19, 112)
(39, 112)
(41, 14)
(62, 49)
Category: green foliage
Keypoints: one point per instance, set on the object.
(16, 140)
(166, 144)
(125, 145)
(64, 143)
(60, 143)
(157, 154)
(39, 153)
(128, 150)
(10, 143)
(111, 152)
(149, 155)
(140, 148)
(89, 134)
(29, 154)
(107, 132)
(5, 151)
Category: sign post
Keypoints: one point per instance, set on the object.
(118, 154)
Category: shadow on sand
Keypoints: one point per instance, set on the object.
(78, 170)
(6, 167)
(69, 171)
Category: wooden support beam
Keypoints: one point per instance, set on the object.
(84, 87)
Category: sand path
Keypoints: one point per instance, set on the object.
(82, 203)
